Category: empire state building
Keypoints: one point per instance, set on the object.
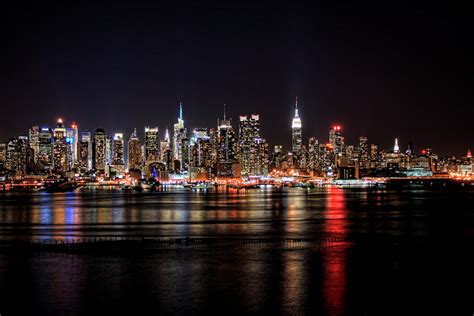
(296, 139)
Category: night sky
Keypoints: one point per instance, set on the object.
(380, 70)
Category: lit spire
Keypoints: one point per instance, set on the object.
(180, 110)
(296, 107)
(469, 155)
(396, 149)
(224, 111)
(167, 135)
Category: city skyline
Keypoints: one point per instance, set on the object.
(378, 70)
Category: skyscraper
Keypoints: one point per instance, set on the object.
(134, 152)
(249, 129)
(258, 157)
(60, 150)
(396, 148)
(86, 137)
(363, 151)
(164, 146)
(226, 144)
(118, 155)
(296, 128)
(152, 145)
(99, 150)
(179, 134)
(336, 139)
(33, 136)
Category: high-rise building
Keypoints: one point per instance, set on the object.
(296, 128)
(118, 154)
(226, 147)
(73, 134)
(313, 153)
(45, 148)
(336, 139)
(135, 159)
(17, 155)
(99, 150)
(396, 148)
(363, 151)
(109, 150)
(33, 136)
(83, 159)
(60, 148)
(3, 154)
(259, 157)
(152, 146)
(87, 138)
(249, 129)
(164, 146)
(179, 133)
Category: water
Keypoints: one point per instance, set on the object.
(394, 255)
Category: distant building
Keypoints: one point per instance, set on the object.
(179, 134)
(99, 150)
(249, 130)
(60, 148)
(296, 128)
(135, 158)
(152, 146)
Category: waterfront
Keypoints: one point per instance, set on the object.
(388, 251)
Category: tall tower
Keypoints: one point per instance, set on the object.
(134, 152)
(396, 148)
(99, 150)
(152, 145)
(60, 159)
(296, 139)
(179, 134)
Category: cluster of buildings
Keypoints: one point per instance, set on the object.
(211, 153)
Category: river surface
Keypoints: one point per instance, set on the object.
(364, 252)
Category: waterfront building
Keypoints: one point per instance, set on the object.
(109, 151)
(118, 153)
(17, 155)
(363, 152)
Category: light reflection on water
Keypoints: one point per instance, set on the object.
(278, 278)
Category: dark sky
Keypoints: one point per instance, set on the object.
(380, 70)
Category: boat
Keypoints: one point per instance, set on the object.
(60, 187)
(200, 187)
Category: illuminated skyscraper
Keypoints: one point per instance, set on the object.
(45, 154)
(164, 147)
(118, 155)
(17, 155)
(396, 148)
(109, 152)
(363, 151)
(179, 134)
(336, 139)
(135, 159)
(226, 145)
(74, 142)
(99, 150)
(87, 138)
(296, 128)
(60, 150)
(313, 153)
(152, 146)
(33, 136)
(258, 157)
(249, 129)
(3, 154)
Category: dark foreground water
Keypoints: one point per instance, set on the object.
(396, 253)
